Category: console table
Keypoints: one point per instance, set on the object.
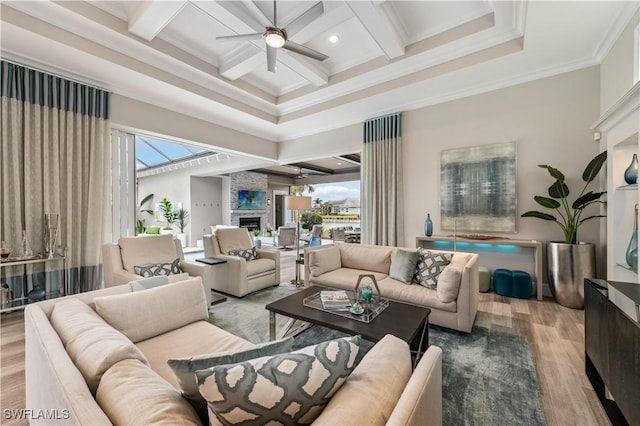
(20, 302)
(495, 246)
(612, 346)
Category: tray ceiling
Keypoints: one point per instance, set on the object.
(390, 56)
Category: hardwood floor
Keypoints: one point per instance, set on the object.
(555, 334)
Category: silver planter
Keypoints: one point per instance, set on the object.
(568, 265)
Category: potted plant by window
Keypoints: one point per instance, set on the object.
(570, 261)
(182, 220)
(140, 225)
(166, 208)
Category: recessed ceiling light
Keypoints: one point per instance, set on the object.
(334, 39)
(339, 164)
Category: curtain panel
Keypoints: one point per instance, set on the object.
(382, 205)
(54, 156)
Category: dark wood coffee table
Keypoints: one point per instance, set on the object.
(407, 322)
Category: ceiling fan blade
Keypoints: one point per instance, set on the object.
(271, 58)
(240, 37)
(255, 10)
(303, 50)
(305, 19)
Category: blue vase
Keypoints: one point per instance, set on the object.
(631, 174)
(428, 226)
(632, 249)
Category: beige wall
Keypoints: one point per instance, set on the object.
(206, 206)
(172, 185)
(617, 67)
(549, 120)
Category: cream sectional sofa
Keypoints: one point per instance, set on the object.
(339, 265)
(100, 358)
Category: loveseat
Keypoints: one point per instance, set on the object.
(453, 305)
(101, 358)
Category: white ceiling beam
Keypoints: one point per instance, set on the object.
(150, 17)
(241, 61)
(378, 26)
(334, 14)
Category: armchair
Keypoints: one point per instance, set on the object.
(119, 259)
(286, 236)
(239, 276)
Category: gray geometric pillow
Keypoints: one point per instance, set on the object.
(156, 269)
(247, 254)
(429, 267)
(290, 388)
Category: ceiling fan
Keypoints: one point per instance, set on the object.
(276, 37)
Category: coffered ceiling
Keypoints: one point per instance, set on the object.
(390, 55)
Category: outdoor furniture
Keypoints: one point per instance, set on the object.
(316, 231)
(286, 236)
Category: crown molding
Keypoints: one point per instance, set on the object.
(615, 30)
(626, 105)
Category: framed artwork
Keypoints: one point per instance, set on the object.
(478, 188)
(252, 200)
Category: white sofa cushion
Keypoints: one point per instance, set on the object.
(234, 239)
(144, 314)
(288, 388)
(92, 344)
(449, 283)
(324, 260)
(368, 258)
(374, 387)
(146, 250)
(132, 393)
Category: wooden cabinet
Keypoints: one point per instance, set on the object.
(619, 128)
(612, 347)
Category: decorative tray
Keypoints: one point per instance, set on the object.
(371, 310)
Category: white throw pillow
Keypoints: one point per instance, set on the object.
(449, 283)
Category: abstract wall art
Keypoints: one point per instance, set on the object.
(478, 188)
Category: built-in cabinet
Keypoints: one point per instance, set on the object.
(619, 128)
(612, 345)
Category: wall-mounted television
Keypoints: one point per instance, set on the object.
(252, 200)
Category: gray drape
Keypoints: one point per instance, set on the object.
(382, 206)
(53, 159)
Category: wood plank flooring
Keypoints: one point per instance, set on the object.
(555, 334)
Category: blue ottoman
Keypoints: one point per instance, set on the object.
(522, 285)
(503, 282)
(512, 283)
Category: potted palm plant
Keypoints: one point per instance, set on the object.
(182, 220)
(140, 225)
(570, 261)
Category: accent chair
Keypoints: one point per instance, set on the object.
(286, 236)
(243, 273)
(119, 260)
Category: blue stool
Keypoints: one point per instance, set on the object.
(512, 283)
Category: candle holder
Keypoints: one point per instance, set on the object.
(50, 233)
(365, 296)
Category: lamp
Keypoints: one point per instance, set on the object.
(297, 203)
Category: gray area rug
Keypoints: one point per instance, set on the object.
(488, 375)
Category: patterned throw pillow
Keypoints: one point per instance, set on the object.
(429, 267)
(246, 254)
(156, 269)
(290, 388)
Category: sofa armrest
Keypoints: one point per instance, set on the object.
(121, 277)
(468, 295)
(273, 255)
(421, 401)
(203, 271)
(230, 277)
(52, 381)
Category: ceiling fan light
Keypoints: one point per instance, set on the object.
(274, 38)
